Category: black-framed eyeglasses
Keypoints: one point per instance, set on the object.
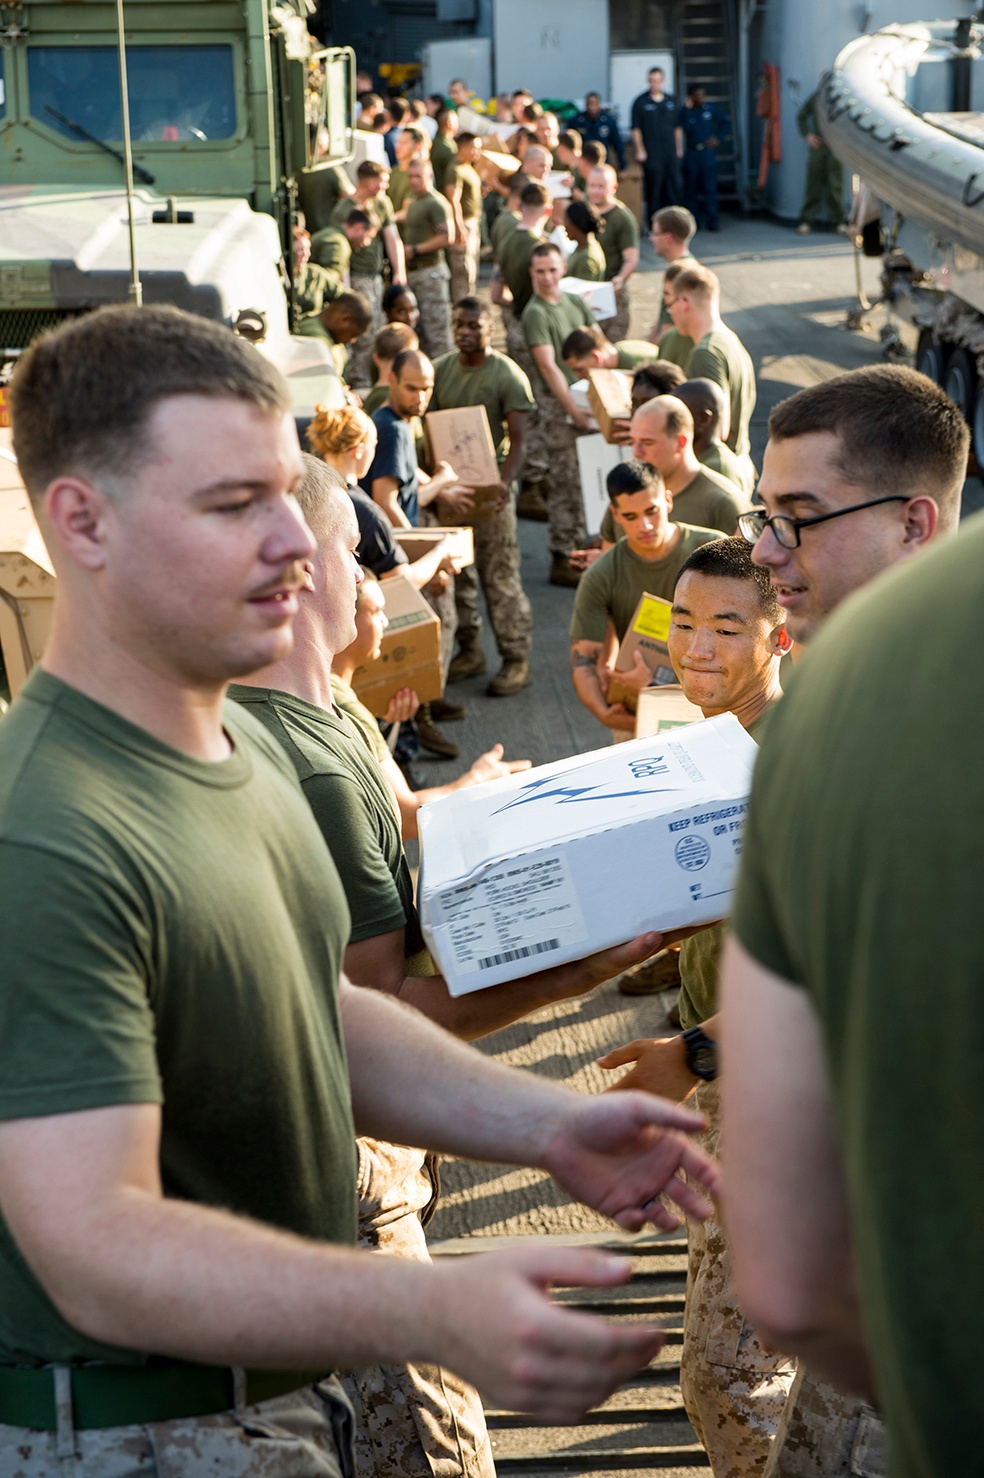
(786, 530)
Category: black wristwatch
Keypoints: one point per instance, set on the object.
(702, 1054)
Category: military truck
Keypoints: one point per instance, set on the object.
(231, 107)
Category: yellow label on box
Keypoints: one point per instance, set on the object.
(653, 620)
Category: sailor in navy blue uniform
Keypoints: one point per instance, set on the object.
(703, 126)
(597, 125)
(657, 146)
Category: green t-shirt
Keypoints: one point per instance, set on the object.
(611, 588)
(344, 698)
(499, 384)
(587, 263)
(466, 176)
(314, 287)
(722, 357)
(621, 232)
(503, 225)
(685, 264)
(353, 805)
(330, 248)
(720, 458)
(515, 250)
(398, 188)
(550, 323)
(676, 347)
(368, 260)
(313, 328)
(700, 955)
(443, 151)
(425, 217)
(633, 352)
(320, 191)
(377, 396)
(709, 501)
(861, 881)
(172, 932)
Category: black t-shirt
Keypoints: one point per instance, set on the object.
(656, 122)
(377, 550)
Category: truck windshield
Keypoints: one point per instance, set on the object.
(176, 92)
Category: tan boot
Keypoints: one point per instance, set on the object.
(470, 662)
(513, 675)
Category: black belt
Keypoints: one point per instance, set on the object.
(124, 1396)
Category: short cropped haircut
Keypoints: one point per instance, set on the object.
(534, 194)
(581, 341)
(544, 250)
(371, 169)
(594, 153)
(392, 339)
(676, 222)
(357, 217)
(698, 282)
(703, 396)
(466, 138)
(662, 376)
(518, 184)
(82, 395)
(570, 139)
(632, 477)
(898, 432)
(405, 358)
(731, 559)
(317, 497)
(398, 108)
(677, 417)
(473, 305)
(356, 307)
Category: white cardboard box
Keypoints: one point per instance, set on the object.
(595, 459)
(552, 864)
(599, 296)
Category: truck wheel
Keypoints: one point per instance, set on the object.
(931, 357)
(960, 381)
(977, 426)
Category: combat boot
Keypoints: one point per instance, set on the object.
(513, 675)
(562, 572)
(470, 662)
(431, 737)
(532, 504)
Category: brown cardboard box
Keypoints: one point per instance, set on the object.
(463, 439)
(417, 542)
(610, 396)
(410, 655)
(664, 708)
(647, 633)
(27, 577)
(495, 167)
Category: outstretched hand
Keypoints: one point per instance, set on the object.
(619, 1152)
(659, 1065)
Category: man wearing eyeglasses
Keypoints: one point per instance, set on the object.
(860, 473)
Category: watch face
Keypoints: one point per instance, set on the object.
(704, 1060)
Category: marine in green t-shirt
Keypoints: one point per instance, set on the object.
(708, 501)
(612, 587)
(172, 933)
(443, 151)
(499, 384)
(860, 884)
(467, 177)
(587, 263)
(550, 323)
(330, 248)
(516, 248)
(367, 260)
(719, 458)
(398, 189)
(352, 804)
(345, 698)
(320, 190)
(676, 347)
(722, 357)
(313, 327)
(426, 215)
(633, 352)
(621, 233)
(505, 222)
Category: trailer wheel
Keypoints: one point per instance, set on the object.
(960, 381)
(977, 426)
(931, 357)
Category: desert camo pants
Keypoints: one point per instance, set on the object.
(464, 265)
(443, 604)
(825, 1434)
(411, 1421)
(304, 1434)
(497, 567)
(562, 488)
(733, 1389)
(430, 288)
(537, 460)
(360, 351)
(617, 328)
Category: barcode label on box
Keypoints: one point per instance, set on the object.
(518, 910)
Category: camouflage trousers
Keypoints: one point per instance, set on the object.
(617, 328)
(443, 605)
(565, 505)
(497, 567)
(464, 265)
(537, 459)
(734, 1390)
(304, 1434)
(430, 288)
(360, 350)
(411, 1421)
(825, 1434)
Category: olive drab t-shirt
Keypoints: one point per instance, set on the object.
(709, 501)
(633, 352)
(504, 223)
(676, 347)
(587, 263)
(515, 250)
(398, 188)
(367, 261)
(443, 151)
(621, 233)
(722, 357)
(425, 217)
(499, 384)
(860, 881)
(172, 933)
(466, 176)
(550, 323)
(330, 248)
(611, 588)
(353, 805)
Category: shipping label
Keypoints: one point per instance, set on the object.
(520, 910)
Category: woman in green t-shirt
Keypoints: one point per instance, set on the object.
(587, 261)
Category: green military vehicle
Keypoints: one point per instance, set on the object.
(231, 110)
